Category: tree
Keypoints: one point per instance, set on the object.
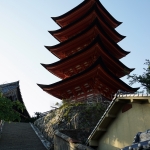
(143, 79)
(37, 115)
(8, 109)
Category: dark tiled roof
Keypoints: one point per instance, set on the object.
(6, 88)
(145, 145)
(12, 91)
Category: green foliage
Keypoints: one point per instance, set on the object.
(64, 104)
(66, 113)
(37, 115)
(86, 109)
(8, 109)
(143, 79)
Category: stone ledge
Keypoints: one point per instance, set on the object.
(74, 143)
(45, 142)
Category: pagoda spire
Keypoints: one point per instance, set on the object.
(82, 8)
(83, 22)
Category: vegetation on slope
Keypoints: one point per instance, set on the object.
(7, 109)
(143, 79)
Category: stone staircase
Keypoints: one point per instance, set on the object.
(19, 136)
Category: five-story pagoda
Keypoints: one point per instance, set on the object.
(89, 55)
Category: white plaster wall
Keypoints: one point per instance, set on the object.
(122, 131)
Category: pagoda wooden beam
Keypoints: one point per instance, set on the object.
(94, 88)
(102, 88)
(83, 66)
(105, 82)
(91, 85)
(76, 69)
(84, 90)
(97, 87)
(75, 93)
(64, 96)
(67, 95)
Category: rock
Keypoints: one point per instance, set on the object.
(70, 119)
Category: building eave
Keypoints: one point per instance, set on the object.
(15, 86)
(111, 113)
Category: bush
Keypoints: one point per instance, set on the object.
(8, 109)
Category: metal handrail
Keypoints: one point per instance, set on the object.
(1, 127)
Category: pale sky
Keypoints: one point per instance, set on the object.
(24, 26)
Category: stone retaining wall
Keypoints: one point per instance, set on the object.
(64, 142)
(75, 117)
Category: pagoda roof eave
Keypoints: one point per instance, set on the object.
(94, 23)
(45, 66)
(70, 11)
(94, 8)
(74, 55)
(78, 76)
(48, 48)
(50, 67)
(117, 22)
(80, 6)
(59, 17)
(51, 32)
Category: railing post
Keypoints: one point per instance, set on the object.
(1, 126)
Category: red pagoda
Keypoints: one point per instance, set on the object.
(89, 55)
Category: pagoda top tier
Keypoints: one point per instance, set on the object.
(83, 22)
(82, 8)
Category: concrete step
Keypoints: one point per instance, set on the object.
(19, 136)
